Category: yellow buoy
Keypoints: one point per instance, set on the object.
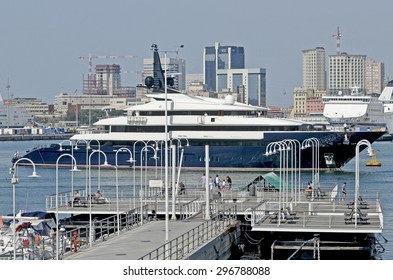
(373, 161)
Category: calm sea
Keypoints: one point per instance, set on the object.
(30, 192)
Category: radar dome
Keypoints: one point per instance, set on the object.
(229, 100)
(149, 81)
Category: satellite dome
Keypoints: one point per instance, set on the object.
(149, 81)
(229, 100)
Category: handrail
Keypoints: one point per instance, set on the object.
(180, 247)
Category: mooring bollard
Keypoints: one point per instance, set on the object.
(75, 241)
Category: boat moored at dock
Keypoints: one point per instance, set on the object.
(237, 134)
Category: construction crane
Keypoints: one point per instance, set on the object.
(90, 58)
(338, 37)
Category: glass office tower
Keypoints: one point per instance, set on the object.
(220, 57)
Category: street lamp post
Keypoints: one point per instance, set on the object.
(166, 145)
(174, 185)
(99, 160)
(357, 185)
(314, 144)
(14, 181)
(74, 168)
(134, 153)
(89, 194)
(282, 149)
(144, 149)
(87, 148)
(179, 146)
(295, 179)
(177, 161)
(117, 185)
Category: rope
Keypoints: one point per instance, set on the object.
(251, 240)
(315, 247)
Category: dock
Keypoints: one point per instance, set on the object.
(295, 226)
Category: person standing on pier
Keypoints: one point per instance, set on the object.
(229, 182)
(203, 181)
(217, 183)
(77, 197)
(343, 192)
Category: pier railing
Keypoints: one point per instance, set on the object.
(72, 240)
(321, 215)
(30, 248)
(180, 247)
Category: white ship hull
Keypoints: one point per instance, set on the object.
(360, 110)
(387, 100)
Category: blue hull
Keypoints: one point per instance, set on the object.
(334, 152)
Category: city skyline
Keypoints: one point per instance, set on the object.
(42, 41)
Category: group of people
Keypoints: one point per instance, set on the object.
(218, 183)
(77, 196)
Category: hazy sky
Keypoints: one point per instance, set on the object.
(42, 40)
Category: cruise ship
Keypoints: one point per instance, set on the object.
(387, 100)
(354, 109)
(238, 135)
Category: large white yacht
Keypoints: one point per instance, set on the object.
(237, 134)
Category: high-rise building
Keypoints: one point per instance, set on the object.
(374, 76)
(249, 84)
(307, 99)
(177, 66)
(107, 81)
(220, 57)
(314, 69)
(346, 72)
(108, 78)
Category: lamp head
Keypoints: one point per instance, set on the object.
(75, 168)
(370, 151)
(34, 175)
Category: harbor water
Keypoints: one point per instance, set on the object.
(31, 192)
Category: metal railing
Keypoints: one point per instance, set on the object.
(316, 215)
(180, 247)
(189, 209)
(31, 248)
(103, 229)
